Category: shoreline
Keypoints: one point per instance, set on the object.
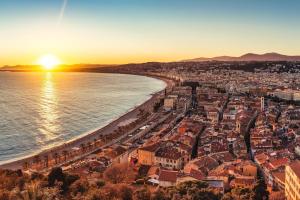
(93, 134)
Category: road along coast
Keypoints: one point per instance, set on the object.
(49, 158)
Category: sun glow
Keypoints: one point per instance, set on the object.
(49, 61)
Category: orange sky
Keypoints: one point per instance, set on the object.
(122, 32)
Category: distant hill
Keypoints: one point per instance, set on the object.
(249, 57)
(77, 67)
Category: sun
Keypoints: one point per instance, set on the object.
(49, 61)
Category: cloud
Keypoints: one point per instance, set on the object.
(62, 12)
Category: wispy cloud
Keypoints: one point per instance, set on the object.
(62, 12)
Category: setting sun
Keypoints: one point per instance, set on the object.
(49, 61)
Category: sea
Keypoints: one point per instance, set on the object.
(40, 110)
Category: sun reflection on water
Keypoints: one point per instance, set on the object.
(49, 110)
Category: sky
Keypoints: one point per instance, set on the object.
(126, 31)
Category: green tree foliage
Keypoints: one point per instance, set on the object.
(196, 190)
(125, 192)
(79, 187)
(260, 190)
(190, 186)
(100, 183)
(4, 194)
(142, 194)
(239, 194)
(95, 194)
(119, 173)
(191, 190)
(10, 179)
(57, 175)
(160, 194)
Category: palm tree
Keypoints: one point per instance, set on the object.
(95, 143)
(89, 144)
(65, 153)
(55, 156)
(82, 146)
(36, 159)
(46, 158)
(25, 165)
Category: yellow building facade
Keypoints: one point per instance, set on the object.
(292, 181)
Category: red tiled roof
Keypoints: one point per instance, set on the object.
(262, 158)
(279, 162)
(295, 166)
(280, 176)
(197, 174)
(206, 162)
(244, 181)
(167, 175)
(169, 153)
(151, 148)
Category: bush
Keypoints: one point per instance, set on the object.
(100, 183)
(125, 192)
(4, 195)
(140, 182)
(119, 173)
(142, 194)
(79, 187)
(57, 174)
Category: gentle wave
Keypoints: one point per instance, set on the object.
(42, 110)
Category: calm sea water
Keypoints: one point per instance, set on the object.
(41, 110)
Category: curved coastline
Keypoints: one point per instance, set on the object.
(17, 163)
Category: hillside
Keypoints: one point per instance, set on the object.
(249, 57)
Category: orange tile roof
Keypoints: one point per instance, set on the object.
(279, 162)
(295, 166)
(167, 175)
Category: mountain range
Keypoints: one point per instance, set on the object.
(249, 57)
(246, 57)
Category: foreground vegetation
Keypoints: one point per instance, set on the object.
(115, 184)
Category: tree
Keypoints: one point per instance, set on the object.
(79, 187)
(119, 173)
(260, 190)
(69, 179)
(36, 176)
(55, 156)
(227, 196)
(156, 106)
(125, 192)
(25, 165)
(82, 146)
(110, 191)
(89, 145)
(239, 193)
(4, 195)
(184, 187)
(37, 159)
(65, 154)
(57, 175)
(160, 195)
(100, 183)
(95, 194)
(96, 142)
(202, 194)
(46, 158)
(142, 194)
(192, 190)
